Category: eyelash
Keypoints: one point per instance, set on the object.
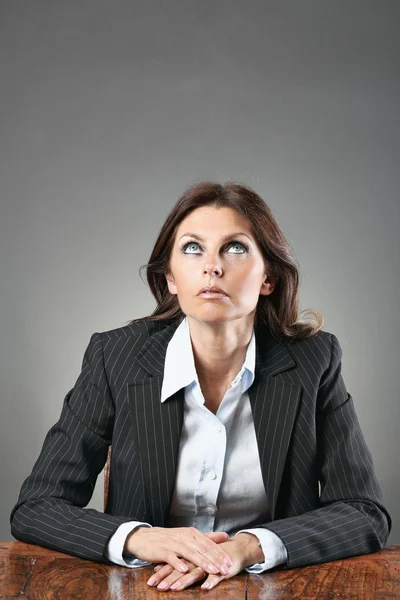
(233, 242)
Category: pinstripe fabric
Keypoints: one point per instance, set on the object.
(307, 433)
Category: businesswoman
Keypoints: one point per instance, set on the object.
(235, 444)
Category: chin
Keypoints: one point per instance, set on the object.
(212, 316)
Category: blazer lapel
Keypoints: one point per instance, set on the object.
(157, 430)
(157, 426)
(274, 403)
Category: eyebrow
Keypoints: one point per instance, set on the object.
(226, 237)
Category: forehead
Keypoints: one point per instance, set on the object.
(212, 220)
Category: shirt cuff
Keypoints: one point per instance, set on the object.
(274, 549)
(115, 546)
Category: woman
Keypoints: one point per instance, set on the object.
(235, 444)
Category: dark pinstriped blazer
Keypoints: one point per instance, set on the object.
(306, 427)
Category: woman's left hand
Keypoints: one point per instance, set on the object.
(167, 578)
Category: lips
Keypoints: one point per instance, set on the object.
(212, 289)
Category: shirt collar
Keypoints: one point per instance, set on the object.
(179, 367)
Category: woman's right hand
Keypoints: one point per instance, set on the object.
(167, 545)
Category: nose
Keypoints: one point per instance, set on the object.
(212, 269)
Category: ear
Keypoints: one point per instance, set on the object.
(171, 283)
(268, 284)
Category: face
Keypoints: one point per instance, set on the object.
(215, 247)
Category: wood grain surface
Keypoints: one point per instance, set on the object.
(368, 577)
(30, 572)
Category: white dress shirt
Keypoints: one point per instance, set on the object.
(218, 485)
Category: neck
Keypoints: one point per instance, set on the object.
(219, 349)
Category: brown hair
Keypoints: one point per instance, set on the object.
(279, 310)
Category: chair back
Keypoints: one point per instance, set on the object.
(106, 476)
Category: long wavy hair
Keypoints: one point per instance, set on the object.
(279, 311)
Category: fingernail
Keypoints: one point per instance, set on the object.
(162, 585)
(206, 585)
(213, 569)
(228, 561)
(183, 568)
(175, 586)
(152, 580)
(224, 569)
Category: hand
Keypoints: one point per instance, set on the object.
(167, 545)
(243, 550)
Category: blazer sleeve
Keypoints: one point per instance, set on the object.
(351, 519)
(50, 509)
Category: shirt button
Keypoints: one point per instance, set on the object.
(210, 510)
(212, 475)
(218, 428)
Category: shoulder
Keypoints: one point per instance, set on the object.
(321, 339)
(134, 338)
(320, 354)
(124, 345)
(141, 328)
(321, 349)
(130, 338)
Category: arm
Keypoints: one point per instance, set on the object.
(247, 548)
(115, 549)
(351, 519)
(49, 511)
(272, 548)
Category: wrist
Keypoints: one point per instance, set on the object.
(250, 548)
(130, 546)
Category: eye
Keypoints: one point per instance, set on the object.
(238, 245)
(233, 243)
(187, 246)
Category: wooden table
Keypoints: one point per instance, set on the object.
(30, 572)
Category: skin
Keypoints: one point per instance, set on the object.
(242, 549)
(178, 546)
(220, 331)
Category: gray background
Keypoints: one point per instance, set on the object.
(111, 109)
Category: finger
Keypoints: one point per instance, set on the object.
(217, 536)
(166, 576)
(160, 574)
(206, 554)
(192, 545)
(207, 566)
(178, 553)
(211, 582)
(158, 567)
(172, 559)
(201, 556)
(183, 581)
(171, 579)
